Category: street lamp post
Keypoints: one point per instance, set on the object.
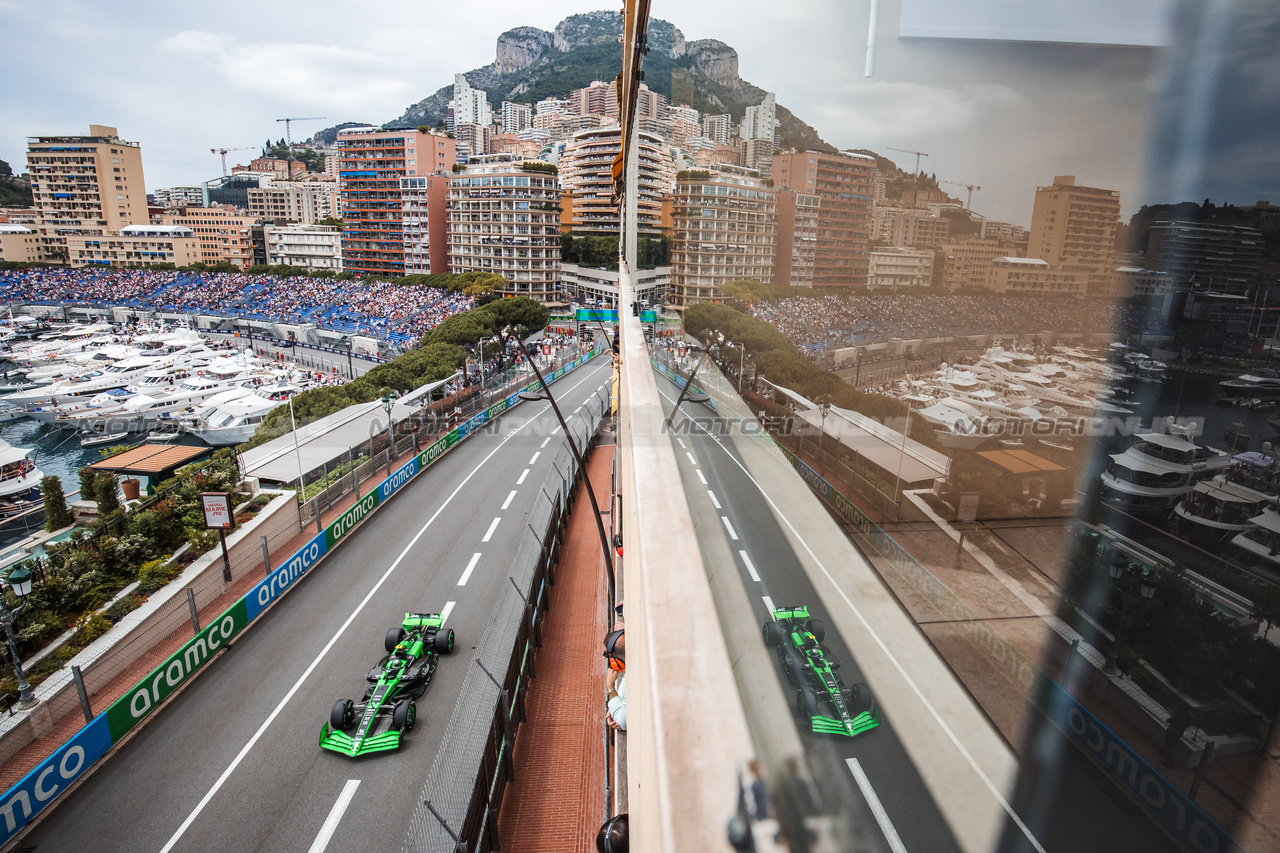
(582, 466)
(387, 403)
(823, 410)
(20, 580)
(297, 452)
(1147, 588)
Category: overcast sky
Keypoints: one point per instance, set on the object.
(181, 78)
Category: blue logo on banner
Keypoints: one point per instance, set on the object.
(393, 483)
(257, 599)
(51, 776)
(1164, 800)
(472, 425)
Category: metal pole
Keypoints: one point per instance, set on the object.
(266, 555)
(78, 678)
(226, 561)
(591, 495)
(297, 450)
(26, 697)
(1201, 769)
(195, 614)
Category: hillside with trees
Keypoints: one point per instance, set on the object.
(14, 192)
(532, 64)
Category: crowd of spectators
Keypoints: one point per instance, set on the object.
(832, 321)
(379, 309)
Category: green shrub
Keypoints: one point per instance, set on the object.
(55, 503)
(124, 606)
(155, 574)
(89, 628)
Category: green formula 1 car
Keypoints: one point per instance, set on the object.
(821, 697)
(413, 650)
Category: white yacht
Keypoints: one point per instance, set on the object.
(235, 421)
(1219, 508)
(1154, 473)
(1265, 384)
(144, 411)
(19, 480)
(1259, 543)
(954, 428)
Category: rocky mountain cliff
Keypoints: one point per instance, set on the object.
(531, 64)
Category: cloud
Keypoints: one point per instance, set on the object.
(315, 74)
(880, 111)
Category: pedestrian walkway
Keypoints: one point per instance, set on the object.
(556, 803)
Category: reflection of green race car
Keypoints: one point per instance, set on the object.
(821, 697)
(413, 650)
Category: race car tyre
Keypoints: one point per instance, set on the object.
(403, 716)
(342, 715)
(858, 698)
(791, 666)
(444, 641)
(818, 630)
(806, 703)
(772, 636)
(394, 636)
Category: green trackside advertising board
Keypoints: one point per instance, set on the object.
(596, 315)
(170, 675)
(52, 776)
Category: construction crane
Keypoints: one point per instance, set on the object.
(918, 154)
(289, 139)
(223, 152)
(969, 187)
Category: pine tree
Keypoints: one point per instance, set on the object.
(56, 514)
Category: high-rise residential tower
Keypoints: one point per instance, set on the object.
(1074, 228)
(371, 165)
(85, 185)
(515, 117)
(717, 128)
(724, 229)
(587, 179)
(504, 218)
(844, 183)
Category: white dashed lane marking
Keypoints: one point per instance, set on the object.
(448, 608)
(488, 534)
(335, 816)
(545, 441)
(712, 495)
(751, 568)
(729, 527)
(471, 567)
(509, 499)
(691, 459)
(680, 441)
(523, 474)
(535, 457)
(698, 471)
(882, 817)
(768, 603)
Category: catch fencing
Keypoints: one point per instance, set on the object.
(462, 793)
(42, 785)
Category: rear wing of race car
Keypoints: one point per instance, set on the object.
(795, 612)
(421, 620)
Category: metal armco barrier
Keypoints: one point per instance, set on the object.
(41, 786)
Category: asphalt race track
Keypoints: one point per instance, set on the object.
(233, 762)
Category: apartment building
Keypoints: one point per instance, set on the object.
(1074, 228)
(1129, 282)
(844, 183)
(372, 163)
(305, 202)
(725, 223)
(515, 117)
(900, 267)
(797, 238)
(503, 218)
(426, 227)
(1035, 276)
(593, 100)
(224, 235)
(586, 176)
(1207, 255)
(136, 246)
(470, 106)
(179, 196)
(717, 128)
(18, 244)
(899, 226)
(472, 140)
(965, 264)
(88, 185)
(313, 247)
(282, 169)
